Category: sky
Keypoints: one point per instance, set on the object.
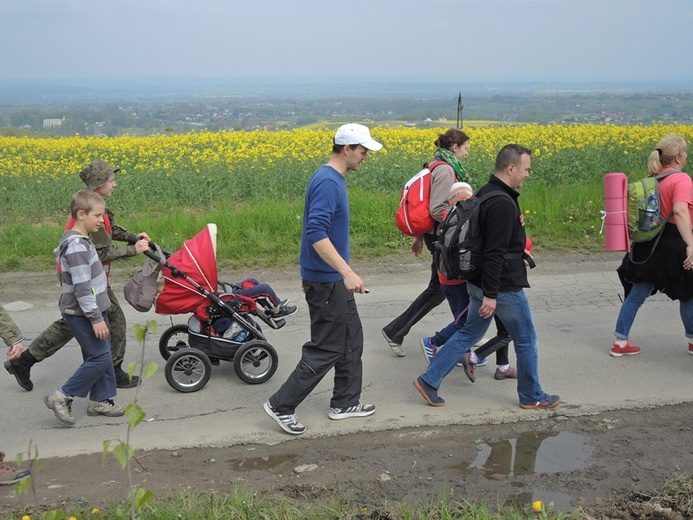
(422, 40)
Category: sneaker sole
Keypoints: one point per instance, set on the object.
(425, 395)
(96, 414)
(537, 407)
(57, 415)
(397, 349)
(616, 354)
(338, 417)
(283, 426)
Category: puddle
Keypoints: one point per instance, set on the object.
(530, 453)
(259, 463)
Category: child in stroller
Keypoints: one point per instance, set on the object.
(263, 294)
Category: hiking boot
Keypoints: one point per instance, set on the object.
(104, 407)
(282, 311)
(9, 475)
(360, 410)
(468, 367)
(511, 373)
(289, 423)
(429, 349)
(61, 406)
(549, 401)
(123, 379)
(396, 347)
(428, 392)
(21, 373)
(627, 350)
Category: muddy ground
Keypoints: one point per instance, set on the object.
(611, 465)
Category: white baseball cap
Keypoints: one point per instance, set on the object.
(353, 133)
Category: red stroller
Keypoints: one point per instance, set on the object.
(221, 326)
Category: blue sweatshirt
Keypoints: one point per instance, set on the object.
(326, 215)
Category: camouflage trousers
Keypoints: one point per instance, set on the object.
(58, 334)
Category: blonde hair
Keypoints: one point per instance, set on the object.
(85, 200)
(670, 147)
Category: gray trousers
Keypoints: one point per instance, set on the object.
(336, 341)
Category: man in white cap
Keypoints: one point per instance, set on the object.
(329, 284)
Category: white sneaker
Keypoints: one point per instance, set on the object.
(396, 347)
(106, 407)
(61, 406)
(360, 410)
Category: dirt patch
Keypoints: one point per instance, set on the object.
(613, 465)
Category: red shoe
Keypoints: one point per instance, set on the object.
(690, 349)
(511, 373)
(628, 350)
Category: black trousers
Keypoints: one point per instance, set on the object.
(336, 341)
(429, 299)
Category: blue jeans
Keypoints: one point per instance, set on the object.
(626, 316)
(95, 377)
(636, 297)
(513, 310)
(458, 299)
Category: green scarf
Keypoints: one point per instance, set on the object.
(443, 154)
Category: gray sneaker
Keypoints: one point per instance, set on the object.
(396, 347)
(287, 422)
(61, 406)
(360, 410)
(106, 407)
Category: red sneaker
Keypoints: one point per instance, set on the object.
(690, 349)
(627, 350)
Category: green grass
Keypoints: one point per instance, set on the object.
(322, 504)
(261, 232)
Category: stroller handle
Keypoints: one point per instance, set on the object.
(153, 253)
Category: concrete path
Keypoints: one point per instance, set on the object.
(575, 303)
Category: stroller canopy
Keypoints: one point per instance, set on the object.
(197, 259)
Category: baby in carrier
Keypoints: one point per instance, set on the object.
(263, 294)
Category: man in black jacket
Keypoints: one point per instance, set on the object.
(497, 287)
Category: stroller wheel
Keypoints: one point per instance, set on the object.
(255, 361)
(188, 370)
(173, 339)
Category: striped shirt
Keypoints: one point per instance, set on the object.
(83, 279)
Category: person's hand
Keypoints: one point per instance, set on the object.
(143, 236)
(353, 283)
(488, 307)
(688, 262)
(417, 246)
(142, 245)
(15, 351)
(100, 330)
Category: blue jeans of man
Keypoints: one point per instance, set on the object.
(95, 377)
(636, 297)
(513, 310)
(458, 299)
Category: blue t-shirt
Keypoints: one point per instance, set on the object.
(326, 215)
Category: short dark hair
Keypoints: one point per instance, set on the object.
(510, 154)
(337, 148)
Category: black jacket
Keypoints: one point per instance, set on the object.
(503, 242)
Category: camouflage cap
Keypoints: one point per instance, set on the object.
(96, 173)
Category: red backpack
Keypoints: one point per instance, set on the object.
(413, 216)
